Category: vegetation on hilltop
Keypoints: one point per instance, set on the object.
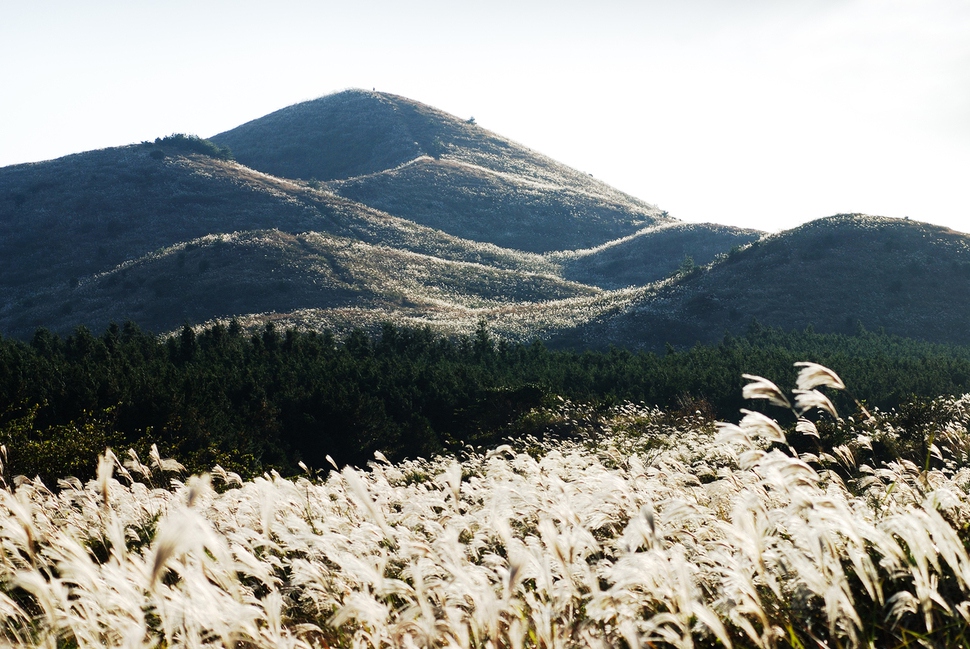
(188, 144)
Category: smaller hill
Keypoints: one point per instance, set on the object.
(82, 214)
(651, 254)
(835, 274)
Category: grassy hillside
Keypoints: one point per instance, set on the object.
(337, 136)
(321, 139)
(83, 214)
(125, 202)
(151, 232)
(477, 203)
(906, 277)
(511, 320)
(272, 272)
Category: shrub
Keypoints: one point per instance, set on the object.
(59, 450)
(190, 144)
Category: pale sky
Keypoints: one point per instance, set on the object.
(757, 113)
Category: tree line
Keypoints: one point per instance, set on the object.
(269, 400)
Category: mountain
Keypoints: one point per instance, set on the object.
(347, 210)
(364, 207)
(834, 274)
(416, 162)
(164, 235)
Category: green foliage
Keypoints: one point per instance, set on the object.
(190, 144)
(57, 450)
(270, 400)
(687, 266)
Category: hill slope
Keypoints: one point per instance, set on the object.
(272, 272)
(423, 218)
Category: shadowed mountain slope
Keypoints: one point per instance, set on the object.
(477, 203)
(834, 274)
(128, 202)
(422, 164)
(337, 136)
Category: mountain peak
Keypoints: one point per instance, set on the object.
(360, 132)
(420, 163)
(346, 134)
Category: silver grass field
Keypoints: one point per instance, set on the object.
(648, 535)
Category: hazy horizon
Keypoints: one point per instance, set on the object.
(757, 114)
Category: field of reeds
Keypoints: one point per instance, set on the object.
(817, 531)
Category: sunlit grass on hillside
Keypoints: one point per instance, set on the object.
(656, 531)
(117, 234)
(510, 210)
(516, 321)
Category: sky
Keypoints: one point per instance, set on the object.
(754, 113)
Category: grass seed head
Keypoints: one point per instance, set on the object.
(806, 400)
(761, 388)
(813, 375)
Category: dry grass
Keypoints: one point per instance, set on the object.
(646, 535)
